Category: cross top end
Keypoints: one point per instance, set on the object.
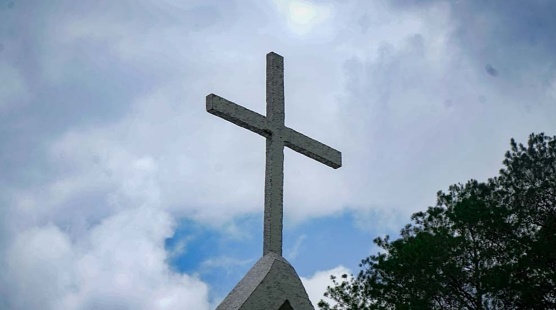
(273, 54)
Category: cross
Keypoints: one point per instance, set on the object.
(277, 136)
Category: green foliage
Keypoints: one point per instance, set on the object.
(488, 245)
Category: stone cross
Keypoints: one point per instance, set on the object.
(277, 136)
(272, 283)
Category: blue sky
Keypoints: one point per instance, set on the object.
(119, 191)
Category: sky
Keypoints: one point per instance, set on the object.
(119, 191)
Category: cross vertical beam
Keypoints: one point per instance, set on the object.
(274, 171)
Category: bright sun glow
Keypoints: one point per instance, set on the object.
(302, 12)
(304, 16)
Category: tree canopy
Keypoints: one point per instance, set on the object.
(485, 245)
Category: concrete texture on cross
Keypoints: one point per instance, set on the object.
(272, 283)
(277, 135)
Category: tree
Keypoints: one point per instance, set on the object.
(485, 245)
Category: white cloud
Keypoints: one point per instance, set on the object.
(316, 284)
(39, 263)
(121, 264)
(294, 250)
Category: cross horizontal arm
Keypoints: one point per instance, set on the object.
(312, 148)
(238, 115)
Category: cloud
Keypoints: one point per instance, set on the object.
(38, 262)
(13, 90)
(121, 264)
(513, 39)
(419, 107)
(226, 263)
(316, 284)
(294, 250)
